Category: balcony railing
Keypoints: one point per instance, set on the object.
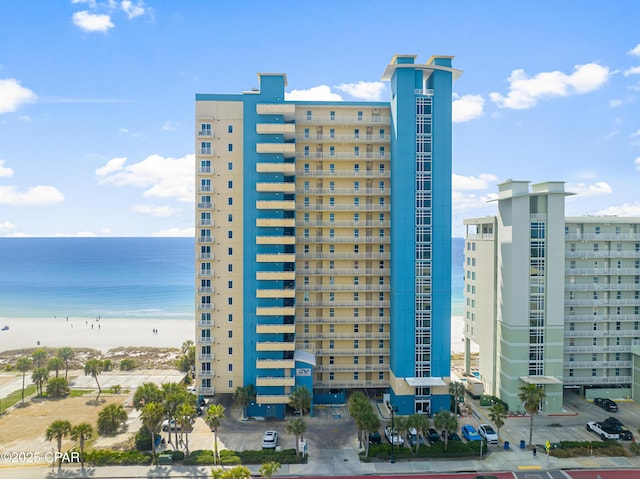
(602, 302)
(598, 318)
(600, 333)
(375, 383)
(323, 155)
(344, 191)
(601, 287)
(205, 133)
(344, 173)
(596, 364)
(344, 207)
(205, 239)
(360, 138)
(205, 205)
(596, 379)
(347, 272)
(342, 304)
(345, 223)
(205, 151)
(301, 255)
(601, 271)
(602, 254)
(597, 349)
(343, 119)
(602, 237)
(205, 339)
(362, 319)
(340, 288)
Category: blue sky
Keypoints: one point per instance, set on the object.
(97, 98)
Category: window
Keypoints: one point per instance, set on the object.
(381, 233)
(230, 201)
(356, 344)
(332, 185)
(230, 129)
(332, 201)
(356, 233)
(332, 168)
(380, 312)
(380, 280)
(356, 296)
(306, 232)
(381, 151)
(230, 351)
(332, 328)
(331, 344)
(230, 234)
(230, 301)
(230, 284)
(332, 233)
(332, 248)
(356, 281)
(331, 376)
(230, 367)
(359, 116)
(229, 268)
(356, 151)
(230, 251)
(356, 312)
(381, 186)
(332, 115)
(381, 248)
(332, 133)
(356, 168)
(381, 201)
(382, 133)
(356, 217)
(306, 167)
(308, 114)
(356, 185)
(306, 151)
(306, 186)
(356, 133)
(230, 317)
(332, 151)
(356, 328)
(230, 334)
(332, 296)
(380, 359)
(229, 217)
(230, 147)
(356, 375)
(306, 132)
(331, 359)
(229, 166)
(332, 312)
(356, 201)
(381, 344)
(381, 328)
(332, 217)
(356, 359)
(356, 248)
(306, 202)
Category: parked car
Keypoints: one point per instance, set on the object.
(270, 440)
(488, 434)
(413, 437)
(433, 436)
(393, 436)
(470, 434)
(603, 430)
(374, 438)
(170, 425)
(617, 426)
(452, 436)
(606, 404)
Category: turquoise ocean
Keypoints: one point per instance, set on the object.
(116, 277)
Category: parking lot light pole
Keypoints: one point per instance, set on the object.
(393, 438)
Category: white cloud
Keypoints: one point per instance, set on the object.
(162, 177)
(170, 126)
(584, 190)
(91, 3)
(525, 91)
(37, 195)
(364, 90)
(635, 51)
(4, 171)
(183, 232)
(113, 165)
(92, 22)
(6, 226)
(13, 95)
(481, 182)
(625, 209)
(132, 10)
(632, 71)
(318, 93)
(158, 211)
(615, 103)
(637, 163)
(467, 107)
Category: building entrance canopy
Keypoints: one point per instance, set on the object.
(425, 382)
(540, 380)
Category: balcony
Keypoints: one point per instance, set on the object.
(205, 132)
(597, 349)
(276, 258)
(345, 335)
(205, 256)
(207, 222)
(206, 289)
(205, 239)
(275, 187)
(276, 311)
(596, 364)
(206, 357)
(285, 109)
(206, 373)
(344, 239)
(287, 130)
(205, 189)
(371, 173)
(374, 383)
(275, 328)
(602, 333)
(342, 304)
(345, 207)
(206, 272)
(352, 138)
(341, 368)
(362, 319)
(206, 323)
(346, 272)
(344, 191)
(600, 318)
(276, 293)
(601, 271)
(275, 275)
(352, 352)
(341, 288)
(277, 240)
(602, 237)
(273, 399)
(352, 156)
(287, 169)
(602, 302)
(286, 205)
(206, 307)
(287, 150)
(206, 170)
(275, 364)
(205, 151)
(206, 391)
(205, 206)
(276, 222)
(596, 379)
(345, 119)
(275, 381)
(275, 346)
(601, 286)
(205, 340)
(602, 254)
(329, 256)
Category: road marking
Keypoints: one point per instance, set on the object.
(529, 467)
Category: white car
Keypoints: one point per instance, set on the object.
(488, 434)
(270, 440)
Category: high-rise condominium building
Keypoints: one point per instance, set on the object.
(552, 300)
(323, 249)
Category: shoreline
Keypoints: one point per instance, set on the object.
(101, 334)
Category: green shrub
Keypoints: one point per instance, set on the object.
(127, 364)
(117, 458)
(143, 440)
(176, 455)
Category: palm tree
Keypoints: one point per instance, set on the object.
(456, 390)
(111, 418)
(152, 414)
(419, 422)
(242, 399)
(446, 421)
(93, 367)
(297, 427)
(39, 355)
(55, 364)
(66, 354)
(497, 414)
(40, 376)
(531, 397)
(300, 399)
(58, 429)
(370, 422)
(174, 395)
(268, 469)
(146, 393)
(23, 365)
(184, 416)
(82, 432)
(358, 406)
(215, 413)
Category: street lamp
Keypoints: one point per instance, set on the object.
(393, 432)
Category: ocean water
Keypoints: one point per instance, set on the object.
(116, 277)
(91, 277)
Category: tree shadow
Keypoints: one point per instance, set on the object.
(96, 402)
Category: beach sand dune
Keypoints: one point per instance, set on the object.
(102, 334)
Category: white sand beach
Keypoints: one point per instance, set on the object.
(103, 334)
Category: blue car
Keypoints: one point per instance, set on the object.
(470, 434)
